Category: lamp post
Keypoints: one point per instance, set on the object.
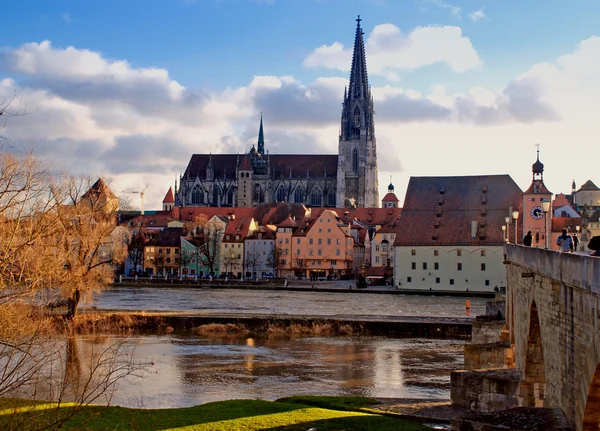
(546, 208)
(504, 233)
(507, 220)
(577, 228)
(515, 216)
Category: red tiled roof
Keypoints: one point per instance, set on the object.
(425, 222)
(543, 189)
(169, 237)
(569, 223)
(245, 164)
(169, 198)
(288, 222)
(560, 201)
(390, 197)
(238, 226)
(157, 220)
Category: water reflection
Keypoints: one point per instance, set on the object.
(186, 371)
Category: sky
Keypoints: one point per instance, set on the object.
(129, 90)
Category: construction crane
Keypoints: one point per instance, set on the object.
(142, 193)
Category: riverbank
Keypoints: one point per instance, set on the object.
(109, 321)
(295, 413)
(333, 286)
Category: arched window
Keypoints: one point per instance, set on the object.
(259, 196)
(356, 117)
(230, 197)
(299, 195)
(281, 194)
(216, 194)
(197, 195)
(316, 197)
(355, 161)
(331, 198)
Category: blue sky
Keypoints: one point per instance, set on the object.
(130, 89)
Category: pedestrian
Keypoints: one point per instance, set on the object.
(527, 239)
(575, 242)
(565, 242)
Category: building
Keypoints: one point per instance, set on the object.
(162, 254)
(450, 233)
(535, 199)
(232, 246)
(588, 196)
(346, 179)
(101, 198)
(260, 251)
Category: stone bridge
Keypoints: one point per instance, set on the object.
(552, 316)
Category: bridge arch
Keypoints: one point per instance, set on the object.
(533, 387)
(591, 414)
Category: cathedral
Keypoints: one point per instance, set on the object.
(346, 179)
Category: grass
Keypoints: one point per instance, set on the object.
(289, 414)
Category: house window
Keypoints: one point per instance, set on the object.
(320, 241)
(483, 266)
(168, 260)
(377, 247)
(297, 252)
(168, 251)
(384, 248)
(408, 279)
(176, 260)
(333, 263)
(319, 252)
(413, 252)
(424, 265)
(297, 240)
(459, 252)
(310, 252)
(160, 251)
(487, 282)
(376, 259)
(310, 241)
(176, 251)
(459, 266)
(413, 265)
(435, 252)
(437, 280)
(483, 252)
(436, 265)
(337, 252)
(451, 281)
(328, 241)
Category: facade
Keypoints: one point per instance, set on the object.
(588, 195)
(450, 233)
(101, 197)
(162, 254)
(259, 248)
(346, 179)
(534, 219)
(232, 246)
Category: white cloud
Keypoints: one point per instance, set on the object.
(66, 18)
(388, 51)
(477, 15)
(454, 10)
(139, 126)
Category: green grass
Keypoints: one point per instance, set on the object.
(290, 414)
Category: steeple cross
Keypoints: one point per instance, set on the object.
(358, 20)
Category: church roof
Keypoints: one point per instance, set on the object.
(261, 134)
(245, 164)
(282, 165)
(169, 198)
(390, 197)
(359, 81)
(588, 186)
(440, 210)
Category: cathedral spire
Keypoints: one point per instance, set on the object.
(261, 138)
(359, 81)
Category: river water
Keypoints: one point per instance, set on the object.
(291, 303)
(185, 370)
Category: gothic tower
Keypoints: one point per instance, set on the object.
(357, 183)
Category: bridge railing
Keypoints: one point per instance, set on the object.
(574, 269)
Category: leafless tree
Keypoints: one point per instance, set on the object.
(208, 235)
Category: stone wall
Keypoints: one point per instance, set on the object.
(552, 314)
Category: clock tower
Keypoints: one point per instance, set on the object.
(533, 213)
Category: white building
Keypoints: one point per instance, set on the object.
(450, 233)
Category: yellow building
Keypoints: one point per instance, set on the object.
(162, 254)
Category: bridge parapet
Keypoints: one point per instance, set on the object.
(552, 315)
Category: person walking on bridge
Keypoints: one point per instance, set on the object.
(527, 239)
(565, 242)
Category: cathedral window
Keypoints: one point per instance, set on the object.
(356, 117)
(259, 196)
(216, 195)
(281, 194)
(230, 197)
(299, 195)
(331, 198)
(355, 161)
(316, 198)
(197, 196)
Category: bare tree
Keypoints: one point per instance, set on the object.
(275, 259)
(208, 235)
